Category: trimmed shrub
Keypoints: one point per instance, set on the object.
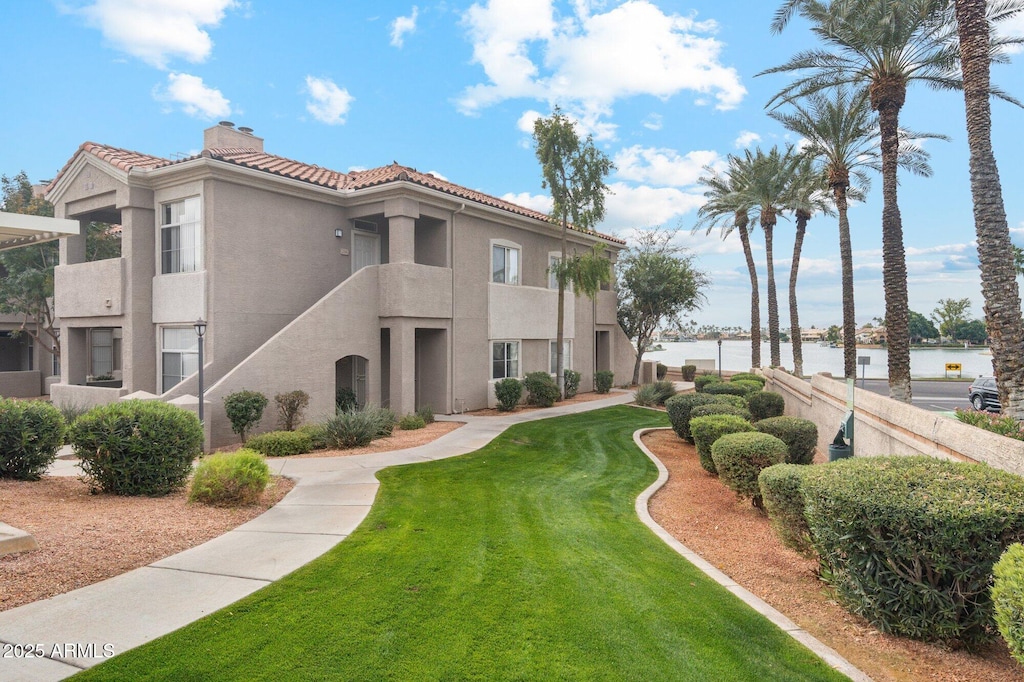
(704, 380)
(749, 376)
(604, 380)
(719, 408)
(688, 372)
(1008, 598)
(280, 443)
(726, 388)
(799, 435)
(784, 502)
(230, 478)
(679, 407)
(572, 382)
(426, 413)
(996, 423)
(244, 410)
(741, 457)
(411, 422)
(317, 433)
(751, 387)
(909, 542)
(765, 404)
(351, 429)
(706, 430)
(734, 400)
(345, 400)
(31, 432)
(289, 408)
(509, 392)
(661, 370)
(541, 389)
(137, 447)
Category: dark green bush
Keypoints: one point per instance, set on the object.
(345, 400)
(31, 432)
(765, 404)
(572, 382)
(541, 389)
(909, 542)
(1008, 598)
(280, 443)
(741, 457)
(289, 408)
(136, 447)
(704, 380)
(426, 413)
(603, 380)
(726, 388)
(679, 407)
(1004, 425)
(799, 435)
(230, 478)
(661, 371)
(244, 410)
(749, 376)
(706, 430)
(351, 429)
(734, 400)
(509, 392)
(719, 408)
(751, 387)
(688, 372)
(784, 502)
(411, 422)
(317, 433)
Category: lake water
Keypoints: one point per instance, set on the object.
(926, 362)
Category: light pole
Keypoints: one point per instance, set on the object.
(719, 358)
(200, 327)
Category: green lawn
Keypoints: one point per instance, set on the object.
(523, 560)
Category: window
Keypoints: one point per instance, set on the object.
(104, 351)
(505, 265)
(505, 359)
(181, 237)
(179, 355)
(553, 261)
(566, 355)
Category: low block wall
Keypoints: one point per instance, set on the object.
(26, 384)
(889, 427)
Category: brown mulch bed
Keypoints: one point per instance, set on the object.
(578, 398)
(708, 518)
(398, 440)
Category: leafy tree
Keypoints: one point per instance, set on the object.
(950, 313)
(972, 331)
(657, 283)
(574, 171)
(833, 334)
(1018, 260)
(921, 327)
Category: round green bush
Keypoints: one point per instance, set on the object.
(411, 422)
(688, 372)
(603, 380)
(541, 389)
(749, 376)
(784, 502)
(137, 447)
(799, 435)
(741, 457)
(244, 410)
(751, 387)
(701, 382)
(765, 404)
(706, 430)
(679, 407)
(719, 408)
(909, 542)
(31, 432)
(662, 371)
(509, 392)
(230, 479)
(734, 400)
(726, 388)
(280, 443)
(1008, 598)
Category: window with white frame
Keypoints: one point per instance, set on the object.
(179, 355)
(553, 260)
(566, 355)
(504, 359)
(504, 264)
(181, 236)
(104, 351)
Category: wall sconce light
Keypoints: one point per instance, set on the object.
(338, 232)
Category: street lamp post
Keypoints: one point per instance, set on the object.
(200, 327)
(719, 358)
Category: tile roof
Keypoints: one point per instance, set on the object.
(126, 160)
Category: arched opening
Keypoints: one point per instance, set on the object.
(350, 375)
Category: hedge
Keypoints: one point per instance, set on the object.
(31, 432)
(688, 372)
(783, 498)
(765, 404)
(749, 376)
(541, 389)
(706, 430)
(701, 382)
(1008, 598)
(726, 388)
(679, 407)
(509, 392)
(799, 435)
(281, 443)
(603, 380)
(719, 408)
(741, 457)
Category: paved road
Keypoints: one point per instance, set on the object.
(937, 396)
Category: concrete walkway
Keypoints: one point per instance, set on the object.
(332, 496)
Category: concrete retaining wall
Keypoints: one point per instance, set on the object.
(888, 427)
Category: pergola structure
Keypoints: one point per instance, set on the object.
(18, 230)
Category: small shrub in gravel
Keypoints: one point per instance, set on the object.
(318, 439)
(384, 417)
(784, 502)
(654, 394)
(706, 430)
(799, 435)
(572, 383)
(509, 392)
(411, 422)
(741, 457)
(352, 429)
(289, 408)
(765, 404)
(604, 380)
(688, 372)
(719, 408)
(426, 413)
(726, 388)
(280, 443)
(31, 432)
(679, 407)
(244, 410)
(704, 380)
(541, 389)
(230, 479)
(1008, 598)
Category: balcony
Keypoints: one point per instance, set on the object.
(93, 289)
(412, 290)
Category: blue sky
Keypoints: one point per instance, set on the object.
(450, 87)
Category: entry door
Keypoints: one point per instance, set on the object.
(359, 367)
(365, 250)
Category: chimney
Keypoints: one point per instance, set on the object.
(224, 134)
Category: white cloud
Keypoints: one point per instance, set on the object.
(663, 166)
(1013, 27)
(652, 122)
(526, 121)
(643, 206)
(402, 25)
(745, 139)
(328, 103)
(587, 61)
(537, 202)
(157, 32)
(194, 97)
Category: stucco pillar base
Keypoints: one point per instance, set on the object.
(403, 368)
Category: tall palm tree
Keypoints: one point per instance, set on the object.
(726, 208)
(841, 132)
(883, 45)
(995, 251)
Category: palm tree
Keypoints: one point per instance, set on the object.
(841, 132)
(883, 45)
(726, 209)
(995, 251)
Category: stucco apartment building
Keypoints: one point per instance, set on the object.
(400, 286)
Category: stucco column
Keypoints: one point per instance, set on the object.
(403, 367)
(138, 345)
(73, 355)
(401, 214)
(72, 249)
